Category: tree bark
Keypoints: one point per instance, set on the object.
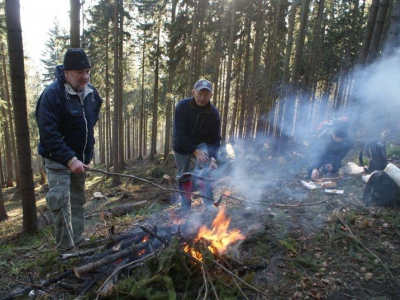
(393, 38)
(154, 128)
(376, 43)
(17, 71)
(120, 43)
(228, 73)
(115, 127)
(75, 24)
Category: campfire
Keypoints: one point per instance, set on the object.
(218, 238)
(134, 255)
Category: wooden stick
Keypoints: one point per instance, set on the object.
(146, 181)
(85, 269)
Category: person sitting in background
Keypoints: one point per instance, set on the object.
(328, 150)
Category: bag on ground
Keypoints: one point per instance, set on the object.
(381, 189)
(375, 150)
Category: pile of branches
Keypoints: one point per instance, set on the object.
(151, 264)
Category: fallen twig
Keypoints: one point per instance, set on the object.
(300, 204)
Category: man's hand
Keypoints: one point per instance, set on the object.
(213, 163)
(315, 174)
(329, 167)
(78, 167)
(201, 156)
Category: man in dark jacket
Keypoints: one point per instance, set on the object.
(66, 113)
(329, 149)
(196, 134)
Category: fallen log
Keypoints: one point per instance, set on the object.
(122, 210)
(109, 259)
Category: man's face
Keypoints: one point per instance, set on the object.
(202, 97)
(78, 79)
(337, 139)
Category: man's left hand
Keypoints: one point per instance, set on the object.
(213, 163)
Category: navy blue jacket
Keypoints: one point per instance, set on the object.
(194, 125)
(66, 123)
(326, 151)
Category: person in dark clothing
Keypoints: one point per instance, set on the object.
(329, 149)
(196, 133)
(66, 113)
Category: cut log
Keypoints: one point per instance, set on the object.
(122, 210)
(109, 259)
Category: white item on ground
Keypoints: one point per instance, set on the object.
(365, 178)
(394, 173)
(352, 168)
(310, 185)
(334, 191)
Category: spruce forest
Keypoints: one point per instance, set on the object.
(278, 69)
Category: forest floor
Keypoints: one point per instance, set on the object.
(299, 243)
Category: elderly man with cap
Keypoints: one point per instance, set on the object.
(329, 149)
(66, 113)
(196, 133)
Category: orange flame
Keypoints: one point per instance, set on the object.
(219, 236)
(146, 238)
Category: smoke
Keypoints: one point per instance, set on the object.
(376, 95)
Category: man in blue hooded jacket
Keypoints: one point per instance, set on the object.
(196, 133)
(66, 114)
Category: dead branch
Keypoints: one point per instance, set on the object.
(65, 256)
(85, 269)
(300, 204)
(162, 240)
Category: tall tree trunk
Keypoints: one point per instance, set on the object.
(120, 86)
(393, 38)
(108, 141)
(228, 72)
(369, 29)
(376, 42)
(289, 46)
(255, 70)
(153, 148)
(193, 46)
(11, 142)
(75, 23)
(218, 52)
(8, 150)
(300, 44)
(17, 71)
(116, 142)
(141, 124)
(244, 90)
(171, 68)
